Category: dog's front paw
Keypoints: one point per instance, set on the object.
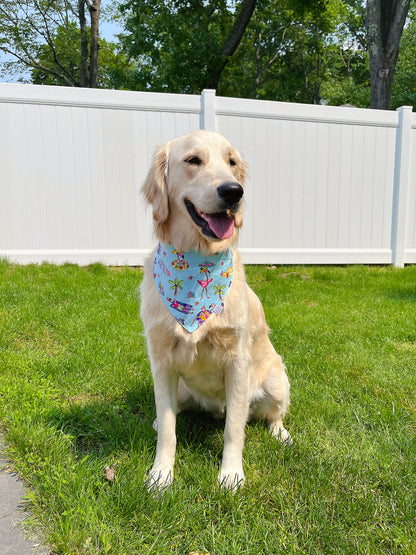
(159, 479)
(232, 479)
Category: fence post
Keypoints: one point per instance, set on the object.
(401, 185)
(208, 109)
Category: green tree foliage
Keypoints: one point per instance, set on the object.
(170, 46)
(32, 31)
(68, 50)
(348, 79)
(404, 84)
(311, 51)
(25, 26)
(290, 49)
(179, 46)
(281, 56)
(113, 69)
(306, 52)
(286, 46)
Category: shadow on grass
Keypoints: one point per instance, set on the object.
(406, 293)
(103, 428)
(97, 426)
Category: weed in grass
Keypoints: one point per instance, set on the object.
(76, 396)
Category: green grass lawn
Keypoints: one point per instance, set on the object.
(76, 395)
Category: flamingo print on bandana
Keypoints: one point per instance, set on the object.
(202, 283)
(205, 282)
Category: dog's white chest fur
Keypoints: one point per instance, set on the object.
(203, 375)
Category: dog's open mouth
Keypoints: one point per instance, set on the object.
(218, 226)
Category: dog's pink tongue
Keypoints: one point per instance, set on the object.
(221, 224)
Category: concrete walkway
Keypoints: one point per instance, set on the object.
(12, 515)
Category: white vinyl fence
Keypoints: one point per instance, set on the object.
(326, 185)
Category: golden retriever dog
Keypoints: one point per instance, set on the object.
(209, 348)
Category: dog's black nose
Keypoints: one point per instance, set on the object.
(230, 193)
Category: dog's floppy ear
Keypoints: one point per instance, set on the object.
(155, 190)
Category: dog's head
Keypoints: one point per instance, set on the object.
(195, 186)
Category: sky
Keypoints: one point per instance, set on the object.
(108, 30)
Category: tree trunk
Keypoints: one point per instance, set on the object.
(84, 43)
(94, 10)
(385, 22)
(381, 79)
(231, 43)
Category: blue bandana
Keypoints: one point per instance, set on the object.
(192, 285)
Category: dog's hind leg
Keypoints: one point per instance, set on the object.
(185, 399)
(274, 404)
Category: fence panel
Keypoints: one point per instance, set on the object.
(410, 252)
(72, 166)
(326, 185)
(321, 180)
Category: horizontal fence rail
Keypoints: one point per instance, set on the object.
(326, 185)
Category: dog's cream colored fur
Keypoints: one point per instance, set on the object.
(228, 364)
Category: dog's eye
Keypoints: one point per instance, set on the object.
(194, 160)
(232, 162)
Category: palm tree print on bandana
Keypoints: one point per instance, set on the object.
(192, 286)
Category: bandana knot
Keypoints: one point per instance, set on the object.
(192, 285)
